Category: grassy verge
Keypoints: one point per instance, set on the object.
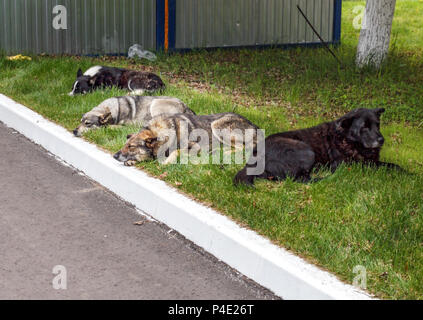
(357, 216)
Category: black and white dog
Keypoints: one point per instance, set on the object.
(99, 77)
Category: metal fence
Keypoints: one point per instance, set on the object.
(112, 26)
(93, 26)
(222, 23)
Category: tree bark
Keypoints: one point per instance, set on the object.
(375, 34)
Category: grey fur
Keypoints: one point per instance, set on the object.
(130, 110)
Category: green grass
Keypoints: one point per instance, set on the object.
(357, 216)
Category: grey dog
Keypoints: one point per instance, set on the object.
(130, 110)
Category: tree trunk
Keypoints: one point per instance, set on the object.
(375, 33)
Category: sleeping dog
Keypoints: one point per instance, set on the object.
(136, 82)
(129, 110)
(165, 136)
(355, 137)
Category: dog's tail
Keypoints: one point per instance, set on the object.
(155, 83)
(243, 178)
(150, 83)
(187, 110)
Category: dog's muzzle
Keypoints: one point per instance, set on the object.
(76, 133)
(378, 143)
(80, 130)
(119, 157)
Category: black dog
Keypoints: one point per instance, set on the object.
(98, 77)
(355, 137)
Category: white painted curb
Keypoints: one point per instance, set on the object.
(254, 256)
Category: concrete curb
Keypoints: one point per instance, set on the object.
(254, 256)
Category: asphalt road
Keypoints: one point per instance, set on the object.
(51, 215)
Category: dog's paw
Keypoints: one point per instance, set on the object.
(130, 163)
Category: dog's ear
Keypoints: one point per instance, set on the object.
(379, 111)
(344, 123)
(151, 142)
(149, 138)
(105, 118)
(79, 73)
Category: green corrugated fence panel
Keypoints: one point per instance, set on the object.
(222, 23)
(94, 26)
(112, 26)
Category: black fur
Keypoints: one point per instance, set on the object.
(118, 77)
(355, 137)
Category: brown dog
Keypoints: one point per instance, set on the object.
(170, 132)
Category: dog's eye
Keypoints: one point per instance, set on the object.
(88, 123)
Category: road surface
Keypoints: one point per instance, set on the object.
(51, 216)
